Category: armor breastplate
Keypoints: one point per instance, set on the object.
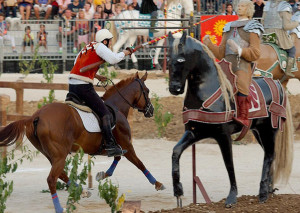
(235, 36)
(272, 18)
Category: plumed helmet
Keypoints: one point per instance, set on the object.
(103, 34)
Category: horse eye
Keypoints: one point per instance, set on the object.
(180, 60)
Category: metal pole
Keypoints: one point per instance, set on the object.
(165, 42)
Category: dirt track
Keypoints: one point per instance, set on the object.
(156, 155)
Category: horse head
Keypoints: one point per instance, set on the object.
(142, 101)
(179, 64)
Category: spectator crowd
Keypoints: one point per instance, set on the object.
(81, 19)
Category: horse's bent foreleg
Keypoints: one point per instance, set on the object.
(131, 156)
(129, 43)
(224, 142)
(157, 52)
(186, 140)
(102, 175)
(56, 170)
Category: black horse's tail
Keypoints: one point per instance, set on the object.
(15, 131)
(282, 164)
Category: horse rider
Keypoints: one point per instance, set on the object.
(149, 7)
(277, 19)
(240, 45)
(81, 83)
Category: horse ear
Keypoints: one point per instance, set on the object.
(137, 75)
(183, 37)
(144, 77)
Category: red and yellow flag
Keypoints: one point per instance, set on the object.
(214, 26)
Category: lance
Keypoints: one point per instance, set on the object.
(91, 66)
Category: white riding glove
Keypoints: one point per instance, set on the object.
(206, 40)
(234, 47)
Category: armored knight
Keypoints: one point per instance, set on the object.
(240, 45)
(277, 19)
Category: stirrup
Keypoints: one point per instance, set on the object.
(116, 151)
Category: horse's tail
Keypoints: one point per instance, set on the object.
(14, 131)
(282, 164)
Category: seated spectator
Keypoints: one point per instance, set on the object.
(42, 37)
(88, 13)
(25, 5)
(293, 5)
(82, 27)
(108, 9)
(229, 10)
(2, 10)
(75, 6)
(118, 9)
(11, 5)
(28, 39)
(67, 29)
(42, 5)
(135, 5)
(96, 25)
(93, 8)
(123, 5)
(63, 5)
(259, 9)
(55, 9)
(4, 27)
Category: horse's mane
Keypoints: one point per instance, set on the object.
(225, 85)
(112, 90)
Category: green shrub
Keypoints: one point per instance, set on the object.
(161, 119)
(109, 193)
(9, 164)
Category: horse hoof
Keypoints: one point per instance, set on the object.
(158, 67)
(117, 67)
(135, 66)
(228, 205)
(161, 187)
(64, 210)
(100, 176)
(86, 194)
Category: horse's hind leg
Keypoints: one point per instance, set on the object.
(225, 144)
(266, 138)
(102, 175)
(131, 156)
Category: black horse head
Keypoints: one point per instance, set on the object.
(178, 63)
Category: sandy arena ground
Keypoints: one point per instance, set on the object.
(30, 178)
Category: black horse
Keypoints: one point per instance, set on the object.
(191, 60)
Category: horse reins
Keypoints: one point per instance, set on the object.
(148, 104)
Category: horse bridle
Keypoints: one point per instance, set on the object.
(146, 109)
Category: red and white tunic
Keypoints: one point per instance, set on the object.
(90, 54)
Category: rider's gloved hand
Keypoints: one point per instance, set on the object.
(234, 47)
(206, 40)
(130, 49)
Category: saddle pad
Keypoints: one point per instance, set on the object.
(282, 57)
(89, 121)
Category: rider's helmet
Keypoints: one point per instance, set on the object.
(103, 34)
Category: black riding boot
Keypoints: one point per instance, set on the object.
(112, 148)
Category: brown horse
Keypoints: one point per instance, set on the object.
(56, 130)
(268, 57)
